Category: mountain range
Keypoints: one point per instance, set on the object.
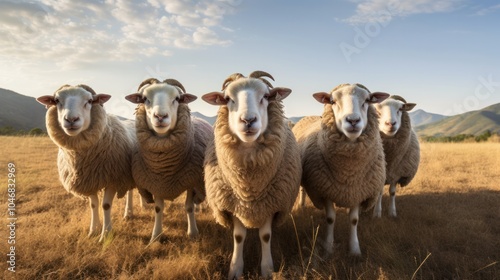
(25, 113)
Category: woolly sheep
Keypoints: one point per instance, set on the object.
(171, 148)
(252, 168)
(342, 155)
(95, 149)
(401, 147)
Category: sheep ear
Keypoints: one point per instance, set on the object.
(214, 98)
(135, 98)
(409, 106)
(322, 97)
(187, 98)
(47, 100)
(279, 93)
(101, 98)
(378, 97)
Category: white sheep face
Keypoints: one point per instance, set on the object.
(73, 107)
(247, 100)
(390, 112)
(161, 102)
(350, 106)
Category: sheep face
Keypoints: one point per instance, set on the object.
(73, 107)
(247, 100)
(161, 102)
(390, 112)
(350, 107)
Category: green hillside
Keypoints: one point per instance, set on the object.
(474, 122)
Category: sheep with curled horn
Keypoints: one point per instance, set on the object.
(342, 156)
(251, 181)
(95, 150)
(171, 148)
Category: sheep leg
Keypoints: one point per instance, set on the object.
(392, 201)
(192, 231)
(330, 223)
(265, 232)
(107, 202)
(377, 210)
(158, 229)
(302, 198)
(354, 249)
(129, 208)
(239, 235)
(95, 224)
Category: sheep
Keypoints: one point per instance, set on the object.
(95, 149)
(252, 168)
(401, 147)
(342, 156)
(171, 148)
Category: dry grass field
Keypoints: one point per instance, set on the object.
(448, 228)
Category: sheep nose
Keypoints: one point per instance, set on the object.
(390, 123)
(160, 117)
(248, 120)
(71, 119)
(353, 120)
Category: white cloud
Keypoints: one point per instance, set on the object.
(386, 10)
(487, 10)
(72, 33)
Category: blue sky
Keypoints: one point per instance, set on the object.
(443, 55)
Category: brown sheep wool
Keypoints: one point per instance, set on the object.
(256, 183)
(402, 153)
(168, 166)
(97, 158)
(348, 173)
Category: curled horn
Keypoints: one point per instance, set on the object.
(339, 86)
(230, 79)
(176, 83)
(397, 97)
(149, 81)
(61, 87)
(260, 75)
(363, 87)
(87, 88)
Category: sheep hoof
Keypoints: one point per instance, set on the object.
(155, 238)
(96, 231)
(356, 253)
(106, 236)
(235, 273)
(193, 235)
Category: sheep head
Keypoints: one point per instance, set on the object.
(247, 100)
(390, 112)
(73, 106)
(350, 107)
(161, 101)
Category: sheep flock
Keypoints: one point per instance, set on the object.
(248, 167)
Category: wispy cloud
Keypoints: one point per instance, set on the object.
(81, 32)
(488, 10)
(386, 10)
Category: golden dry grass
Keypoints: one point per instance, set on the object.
(448, 228)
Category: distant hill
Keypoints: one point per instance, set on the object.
(421, 117)
(210, 120)
(20, 112)
(474, 122)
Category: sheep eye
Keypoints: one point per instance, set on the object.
(333, 102)
(90, 101)
(228, 99)
(176, 99)
(56, 100)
